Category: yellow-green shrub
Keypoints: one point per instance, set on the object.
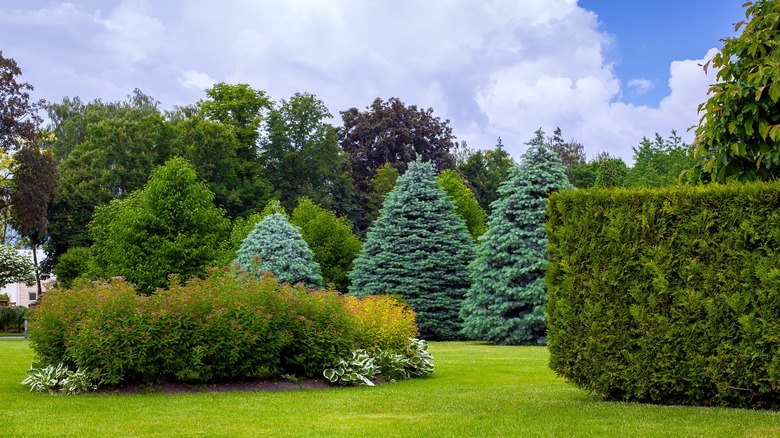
(382, 322)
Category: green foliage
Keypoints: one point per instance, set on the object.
(242, 226)
(418, 249)
(738, 137)
(169, 227)
(221, 327)
(15, 267)
(12, 316)
(381, 183)
(364, 367)
(466, 205)
(213, 149)
(485, 171)
(330, 239)
(571, 153)
(59, 380)
(660, 162)
(300, 152)
(667, 295)
(277, 247)
(507, 299)
(242, 108)
(77, 262)
(610, 171)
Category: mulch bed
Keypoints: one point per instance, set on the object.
(241, 385)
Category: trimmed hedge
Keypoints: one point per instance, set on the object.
(219, 328)
(669, 295)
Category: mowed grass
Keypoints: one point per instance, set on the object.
(477, 390)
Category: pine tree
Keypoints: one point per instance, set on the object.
(419, 249)
(280, 250)
(507, 299)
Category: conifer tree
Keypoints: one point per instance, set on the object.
(507, 299)
(419, 249)
(277, 247)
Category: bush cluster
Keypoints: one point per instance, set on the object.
(667, 295)
(221, 327)
(12, 317)
(382, 321)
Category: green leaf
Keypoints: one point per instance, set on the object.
(774, 92)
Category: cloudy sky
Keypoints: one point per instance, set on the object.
(606, 72)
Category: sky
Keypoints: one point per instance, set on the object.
(607, 72)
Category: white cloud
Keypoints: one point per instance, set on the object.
(641, 85)
(196, 79)
(493, 67)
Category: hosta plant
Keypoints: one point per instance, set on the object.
(358, 370)
(58, 379)
(364, 367)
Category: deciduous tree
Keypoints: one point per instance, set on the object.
(19, 117)
(485, 171)
(738, 136)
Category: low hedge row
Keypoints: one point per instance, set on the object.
(669, 295)
(221, 327)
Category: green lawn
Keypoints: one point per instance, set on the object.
(477, 390)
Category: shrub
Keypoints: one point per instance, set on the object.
(221, 327)
(667, 295)
(76, 262)
(12, 316)
(382, 322)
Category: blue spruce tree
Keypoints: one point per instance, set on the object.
(277, 247)
(418, 249)
(507, 299)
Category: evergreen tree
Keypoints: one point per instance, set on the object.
(277, 247)
(466, 205)
(419, 249)
(171, 226)
(507, 299)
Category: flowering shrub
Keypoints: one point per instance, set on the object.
(382, 322)
(221, 327)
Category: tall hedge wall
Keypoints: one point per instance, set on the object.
(669, 295)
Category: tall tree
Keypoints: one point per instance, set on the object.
(660, 162)
(242, 109)
(171, 226)
(610, 171)
(485, 171)
(418, 249)
(277, 247)
(738, 136)
(331, 240)
(34, 185)
(507, 299)
(7, 166)
(212, 148)
(300, 153)
(19, 117)
(571, 153)
(466, 205)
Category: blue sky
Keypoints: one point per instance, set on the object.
(649, 35)
(607, 72)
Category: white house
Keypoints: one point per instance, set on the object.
(19, 293)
